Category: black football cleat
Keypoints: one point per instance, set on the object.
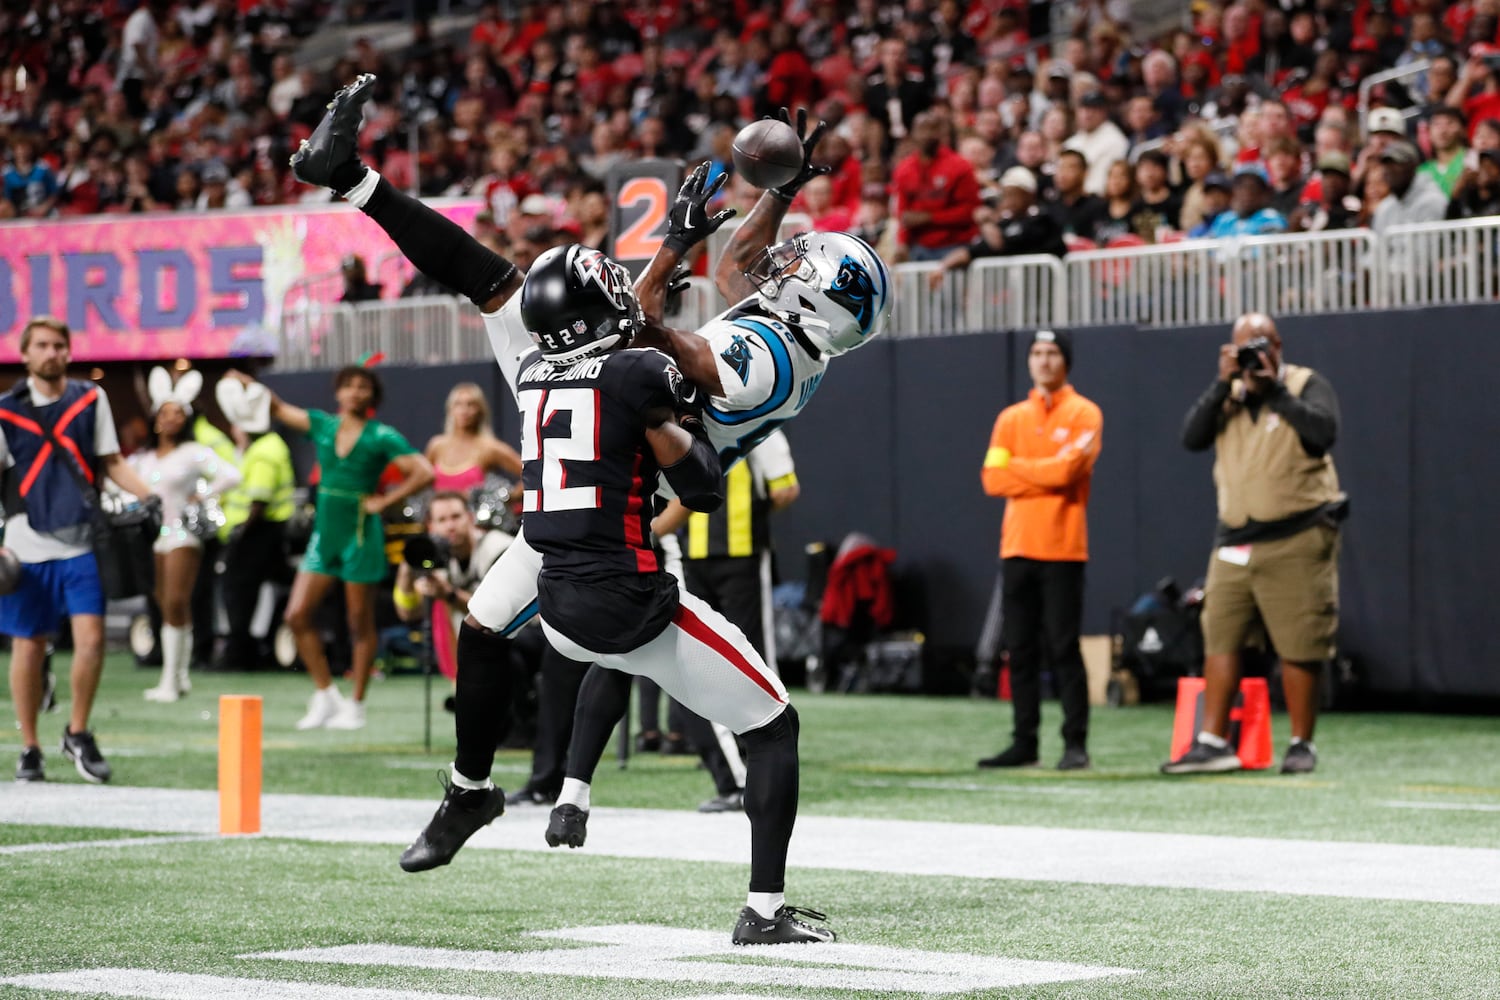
(81, 749)
(463, 813)
(30, 768)
(330, 156)
(569, 825)
(784, 929)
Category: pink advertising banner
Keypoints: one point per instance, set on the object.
(185, 284)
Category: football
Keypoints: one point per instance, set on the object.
(10, 571)
(767, 153)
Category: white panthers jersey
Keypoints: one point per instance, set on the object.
(766, 376)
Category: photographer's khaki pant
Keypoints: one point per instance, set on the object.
(1291, 585)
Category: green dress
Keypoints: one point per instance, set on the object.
(347, 542)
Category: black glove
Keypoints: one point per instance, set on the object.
(689, 223)
(788, 191)
(676, 285)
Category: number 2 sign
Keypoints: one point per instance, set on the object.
(641, 193)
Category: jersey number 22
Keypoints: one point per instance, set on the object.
(538, 408)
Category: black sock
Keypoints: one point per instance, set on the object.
(347, 175)
(603, 700)
(438, 246)
(771, 775)
(557, 696)
(482, 700)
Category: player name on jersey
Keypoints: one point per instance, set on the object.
(547, 371)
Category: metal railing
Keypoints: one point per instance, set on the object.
(1369, 83)
(1194, 282)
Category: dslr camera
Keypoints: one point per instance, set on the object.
(1249, 353)
(425, 554)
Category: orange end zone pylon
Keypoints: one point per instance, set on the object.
(1249, 720)
(239, 763)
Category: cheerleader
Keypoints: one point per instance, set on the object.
(173, 469)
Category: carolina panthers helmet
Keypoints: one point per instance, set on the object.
(833, 285)
(576, 302)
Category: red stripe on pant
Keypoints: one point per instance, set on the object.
(699, 629)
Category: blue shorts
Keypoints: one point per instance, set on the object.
(47, 592)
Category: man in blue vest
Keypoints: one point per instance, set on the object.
(56, 436)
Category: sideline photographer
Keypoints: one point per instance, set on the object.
(1275, 558)
(454, 560)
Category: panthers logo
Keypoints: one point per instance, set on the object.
(853, 289)
(737, 356)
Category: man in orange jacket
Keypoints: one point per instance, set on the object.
(1041, 459)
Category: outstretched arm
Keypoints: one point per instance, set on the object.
(284, 413)
(688, 225)
(764, 220)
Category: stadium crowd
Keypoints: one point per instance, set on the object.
(956, 126)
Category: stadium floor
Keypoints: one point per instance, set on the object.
(1372, 878)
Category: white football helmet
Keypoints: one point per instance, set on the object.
(833, 285)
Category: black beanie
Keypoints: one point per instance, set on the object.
(1061, 339)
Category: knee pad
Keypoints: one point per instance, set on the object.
(784, 728)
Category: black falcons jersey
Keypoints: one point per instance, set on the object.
(589, 472)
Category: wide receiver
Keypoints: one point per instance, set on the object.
(799, 303)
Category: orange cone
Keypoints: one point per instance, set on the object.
(1249, 720)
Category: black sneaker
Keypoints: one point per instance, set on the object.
(1301, 758)
(29, 768)
(648, 742)
(1074, 759)
(1012, 756)
(785, 929)
(569, 825)
(1204, 758)
(733, 802)
(462, 814)
(675, 745)
(81, 749)
(330, 156)
(530, 797)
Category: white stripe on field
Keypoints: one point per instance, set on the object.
(74, 845)
(963, 850)
(187, 986)
(1452, 806)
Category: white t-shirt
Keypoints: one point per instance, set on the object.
(140, 29)
(36, 547)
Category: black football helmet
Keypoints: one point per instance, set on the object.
(576, 302)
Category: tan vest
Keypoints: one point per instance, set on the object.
(1261, 470)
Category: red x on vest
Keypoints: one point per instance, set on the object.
(57, 435)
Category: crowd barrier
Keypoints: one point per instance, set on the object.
(1188, 283)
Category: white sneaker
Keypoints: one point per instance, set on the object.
(184, 685)
(164, 692)
(349, 715)
(321, 707)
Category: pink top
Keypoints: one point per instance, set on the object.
(461, 482)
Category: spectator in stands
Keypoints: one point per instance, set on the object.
(1284, 167)
(220, 190)
(1414, 197)
(1477, 192)
(1275, 561)
(1119, 204)
(936, 193)
(30, 185)
(1041, 459)
(873, 222)
(1159, 71)
(1099, 140)
(1157, 206)
(1020, 228)
(1250, 212)
(138, 52)
(1077, 212)
(1477, 91)
(357, 286)
(1441, 76)
(1213, 203)
(1200, 156)
(1333, 208)
(1448, 131)
(897, 92)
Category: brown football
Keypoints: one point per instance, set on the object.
(767, 153)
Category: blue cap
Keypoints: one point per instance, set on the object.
(1256, 170)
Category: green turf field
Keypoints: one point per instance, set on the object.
(941, 880)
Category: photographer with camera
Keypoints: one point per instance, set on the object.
(1275, 558)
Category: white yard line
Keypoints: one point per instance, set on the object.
(76, 845)
(961, 850)
(186, 986)
(1448, 806)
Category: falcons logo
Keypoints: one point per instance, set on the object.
(592, 266)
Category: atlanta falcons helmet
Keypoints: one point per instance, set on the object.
(576, 303)
(833, 285)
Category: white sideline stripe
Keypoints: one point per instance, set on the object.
(1348, 869)
(1451, 806)
(649, 953)
(188, 986)
(74, 845)
(941, 785)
